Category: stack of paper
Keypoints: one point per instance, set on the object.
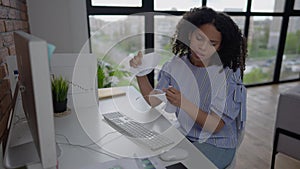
(110, 92)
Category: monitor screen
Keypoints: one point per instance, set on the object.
(35, 88)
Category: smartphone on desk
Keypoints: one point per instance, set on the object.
(176, 166)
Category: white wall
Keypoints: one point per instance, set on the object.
(60, 22)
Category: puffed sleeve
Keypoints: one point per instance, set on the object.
(231, 104)
(165, 80)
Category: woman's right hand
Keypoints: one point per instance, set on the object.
(136, 60)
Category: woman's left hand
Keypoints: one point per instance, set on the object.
(173, 96)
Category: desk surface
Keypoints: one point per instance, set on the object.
(86, 140)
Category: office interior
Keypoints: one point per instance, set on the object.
(111, 29)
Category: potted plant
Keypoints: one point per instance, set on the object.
(60, 88)
(110, 75)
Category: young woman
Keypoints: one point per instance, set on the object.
(203, 82)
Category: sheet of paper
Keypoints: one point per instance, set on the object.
(110, 92)
(149, 62)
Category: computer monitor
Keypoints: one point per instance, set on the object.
(35, 89)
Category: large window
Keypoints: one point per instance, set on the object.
(113, 38)
(297, 5)
(120, 28)
(175, 5)
(267, 6)
(263, 39)
(127, 3)
(164, 27)
(291, 60)
(228, 5)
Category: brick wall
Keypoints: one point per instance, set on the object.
(13, 16)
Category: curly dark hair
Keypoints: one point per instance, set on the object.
(233, 50)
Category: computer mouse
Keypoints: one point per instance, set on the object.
(175, 154)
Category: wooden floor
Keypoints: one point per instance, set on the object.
(256, 148)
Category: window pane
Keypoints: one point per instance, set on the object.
(130, 3)
(290, 68)
(240, 21)
(228, 5)
(262, 47)
(175, 5)
(164, 28)
(267, 6)
(297, 5)
(113, 38)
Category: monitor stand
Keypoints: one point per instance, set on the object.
(20, 149)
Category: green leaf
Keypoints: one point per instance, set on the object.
(60, 87)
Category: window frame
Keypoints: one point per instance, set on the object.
(147, 10)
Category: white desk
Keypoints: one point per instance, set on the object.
(85, 125)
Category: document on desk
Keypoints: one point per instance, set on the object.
(130, 163)
(104, 93)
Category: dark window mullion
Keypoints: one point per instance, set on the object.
(255, 13)
(176, 13)
(104, 10)
(295, 13)
(88, 4)
(266, 13)
(148, 5)
(204, 2)
(149, 31)
(247, 21)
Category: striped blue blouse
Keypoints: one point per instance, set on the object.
(212, 88)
